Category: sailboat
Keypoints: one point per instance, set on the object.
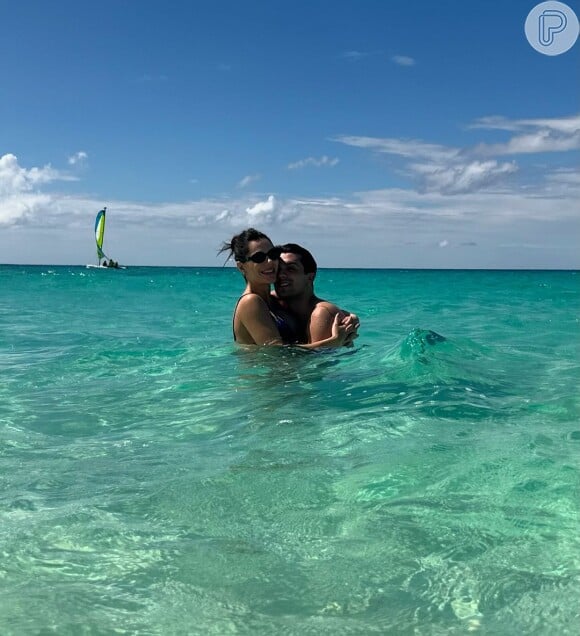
(100, 237)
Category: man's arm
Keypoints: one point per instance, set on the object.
(322, 317)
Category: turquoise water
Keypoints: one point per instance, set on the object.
(155, 480)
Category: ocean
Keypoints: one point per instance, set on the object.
(157, 480)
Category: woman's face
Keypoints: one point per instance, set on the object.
(264, 272)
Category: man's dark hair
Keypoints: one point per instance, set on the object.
(306, 258)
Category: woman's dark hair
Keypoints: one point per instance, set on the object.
(238, 246)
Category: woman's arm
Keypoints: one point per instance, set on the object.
(254, 315)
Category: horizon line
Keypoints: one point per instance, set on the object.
(396, 269)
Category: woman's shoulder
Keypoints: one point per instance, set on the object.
(251, 301)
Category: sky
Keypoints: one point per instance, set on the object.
(375, 133)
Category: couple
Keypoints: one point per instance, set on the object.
(292, 314)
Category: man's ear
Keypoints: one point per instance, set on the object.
(311, 276)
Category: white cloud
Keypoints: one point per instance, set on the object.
(312, 161)
(262, 208)
(21, 208)
(355, 56)
(14, 179)
(78, 158)
(248, 179)
(569, 124)
(565, 176)
(19, 199)
(378, 223)
(544, 140)
(451, 170)
(394, 227)
(402, 147)
(537, 135)
(403, 60)
(440, 168)
(463, 177)
(224, 214)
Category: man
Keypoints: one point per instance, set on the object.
(294, 289)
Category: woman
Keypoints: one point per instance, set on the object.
(258, 320)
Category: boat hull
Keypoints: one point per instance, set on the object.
(92, 266)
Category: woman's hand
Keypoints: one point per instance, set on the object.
(343, 329)
(351, 320)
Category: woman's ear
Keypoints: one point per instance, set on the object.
(241, 268)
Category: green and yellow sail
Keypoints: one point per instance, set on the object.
(100, 232)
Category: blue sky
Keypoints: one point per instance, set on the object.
(378, 134)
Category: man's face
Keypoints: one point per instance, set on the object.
(291, 280)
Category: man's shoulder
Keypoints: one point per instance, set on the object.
(324, 307)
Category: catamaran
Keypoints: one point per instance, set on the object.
(100, 237)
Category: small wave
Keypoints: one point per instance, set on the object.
(419, 341)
